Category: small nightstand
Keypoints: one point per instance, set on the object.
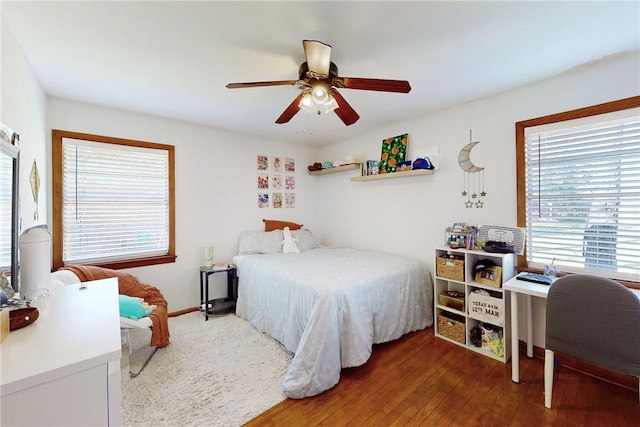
(220, 305)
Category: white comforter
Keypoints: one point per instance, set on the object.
(329, 306)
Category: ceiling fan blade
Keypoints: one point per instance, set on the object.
(381, 85)
(258, 84)
(291, 110)
(347, 114)
(318, 56)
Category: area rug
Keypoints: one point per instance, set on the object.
(221, 372)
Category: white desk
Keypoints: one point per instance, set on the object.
(64, 369)
(530, 290)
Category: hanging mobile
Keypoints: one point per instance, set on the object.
(472, 187)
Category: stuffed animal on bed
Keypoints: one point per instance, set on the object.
(289, 243)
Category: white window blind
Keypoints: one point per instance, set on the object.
(583, 198)
(6, 185)
(115, 201)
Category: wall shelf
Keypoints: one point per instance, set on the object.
(337, 169)
(415, 172)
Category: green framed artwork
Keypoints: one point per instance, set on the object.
(394, 151)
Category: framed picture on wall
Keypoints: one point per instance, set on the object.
(263, 200)
(263, 181)
(290, 183)
(290, 200)
(394, 151)
(277, 165)
(276, 182)
(262, 163)
(289, 164)
(277, 200)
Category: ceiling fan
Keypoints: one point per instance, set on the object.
(319, 82)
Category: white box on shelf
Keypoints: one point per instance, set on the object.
(486, 308)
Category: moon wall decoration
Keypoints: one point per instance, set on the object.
(473, 176)
(464, 158)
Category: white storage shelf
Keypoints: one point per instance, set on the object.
(494, 310)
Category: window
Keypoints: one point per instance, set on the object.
(579, 190)
(6, 186)
(9, 213)
(113, 201)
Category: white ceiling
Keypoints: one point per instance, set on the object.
(174, 58)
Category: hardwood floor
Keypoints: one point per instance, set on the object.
(423, 380)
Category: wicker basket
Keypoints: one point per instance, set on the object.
(451, 328)
(448, 300)
(450, 268)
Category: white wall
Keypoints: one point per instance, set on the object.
(216, 190)
(409, 215)
(23, 108)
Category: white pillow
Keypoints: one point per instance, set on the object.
(305, 239)
(63, 277)
(260, 242)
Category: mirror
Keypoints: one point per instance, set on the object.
(9, 198)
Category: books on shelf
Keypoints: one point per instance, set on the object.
(369, 167)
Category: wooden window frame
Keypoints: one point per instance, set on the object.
(607, 107)
(57, 175)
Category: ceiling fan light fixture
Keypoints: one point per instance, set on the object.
(319, 81)
(330, 105)
(323, 103)
(306, 103)
(320, 94)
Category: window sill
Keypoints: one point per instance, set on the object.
(142, 262)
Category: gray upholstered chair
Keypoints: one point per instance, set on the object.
(594, 319)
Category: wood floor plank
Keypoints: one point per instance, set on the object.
(422, 380)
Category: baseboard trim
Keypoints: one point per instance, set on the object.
(616, 378)
(181, 312)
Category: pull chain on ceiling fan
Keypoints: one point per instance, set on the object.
(318, 78)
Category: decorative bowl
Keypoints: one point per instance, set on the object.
(22, 317)
(37, 297)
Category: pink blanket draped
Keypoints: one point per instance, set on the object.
(131, 286)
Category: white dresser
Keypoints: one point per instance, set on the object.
(64, 369)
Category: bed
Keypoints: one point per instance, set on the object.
(328, 305)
